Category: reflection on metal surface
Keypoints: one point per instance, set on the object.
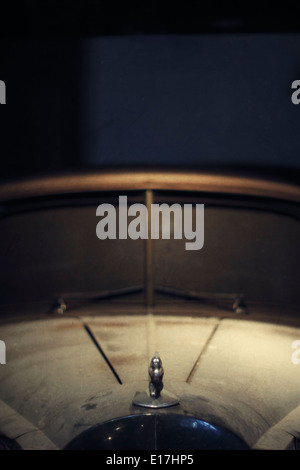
(156, 398)
(157, 432)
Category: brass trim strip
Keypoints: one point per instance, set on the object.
(152, 180)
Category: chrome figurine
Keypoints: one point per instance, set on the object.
(156, 373)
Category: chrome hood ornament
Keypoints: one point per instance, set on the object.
(157, 397)
(156, 373)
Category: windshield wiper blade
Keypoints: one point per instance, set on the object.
(60, 302)
(237, 301)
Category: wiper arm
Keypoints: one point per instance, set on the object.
(60, 302)
(237, 301)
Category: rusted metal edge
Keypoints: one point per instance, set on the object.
(148, 180)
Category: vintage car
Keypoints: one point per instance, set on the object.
(134, 342)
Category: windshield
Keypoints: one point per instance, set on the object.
(247, 250)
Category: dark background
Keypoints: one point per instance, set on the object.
(191, 83)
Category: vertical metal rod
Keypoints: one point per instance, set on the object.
(149, 286)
